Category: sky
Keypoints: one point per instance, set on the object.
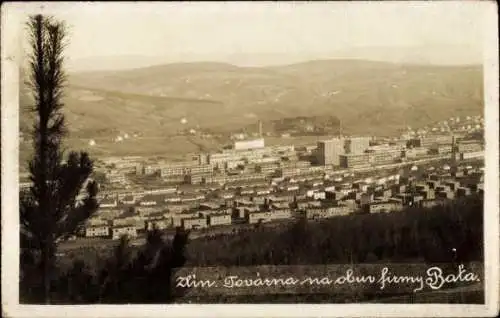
(255, 32)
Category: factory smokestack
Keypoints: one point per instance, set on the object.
(260, 129)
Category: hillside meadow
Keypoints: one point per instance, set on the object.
(368, 97)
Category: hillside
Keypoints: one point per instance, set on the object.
(368, 97)
(99, 113)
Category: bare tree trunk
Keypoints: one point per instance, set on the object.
(46, 275)
(45, 272)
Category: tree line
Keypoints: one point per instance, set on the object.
(126, 276)
(445, 233)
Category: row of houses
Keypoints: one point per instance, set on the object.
(280, 198)
(133, 225)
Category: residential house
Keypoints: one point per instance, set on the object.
(388, 206)
(97, 231)
(177, 219)
(128, 200)
(219, 219)
(108, 203)
(159, 224)
(119, 231)
(194, 223)
(327, 212)
(267, 216)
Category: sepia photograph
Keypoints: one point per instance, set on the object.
(291, 153)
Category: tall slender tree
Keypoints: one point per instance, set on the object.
(62, 196)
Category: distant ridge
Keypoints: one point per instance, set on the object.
(367, 96)
(437, 54)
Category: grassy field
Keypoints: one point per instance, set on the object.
(368, 97)
(169, 147)
(294, 140)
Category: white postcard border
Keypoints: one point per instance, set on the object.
(11, 47)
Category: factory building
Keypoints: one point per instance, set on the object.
(430, 140)
(249, 144)
(469, 146)
(354, 161)
(328, 151)
(356, 145)
(385, 157)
